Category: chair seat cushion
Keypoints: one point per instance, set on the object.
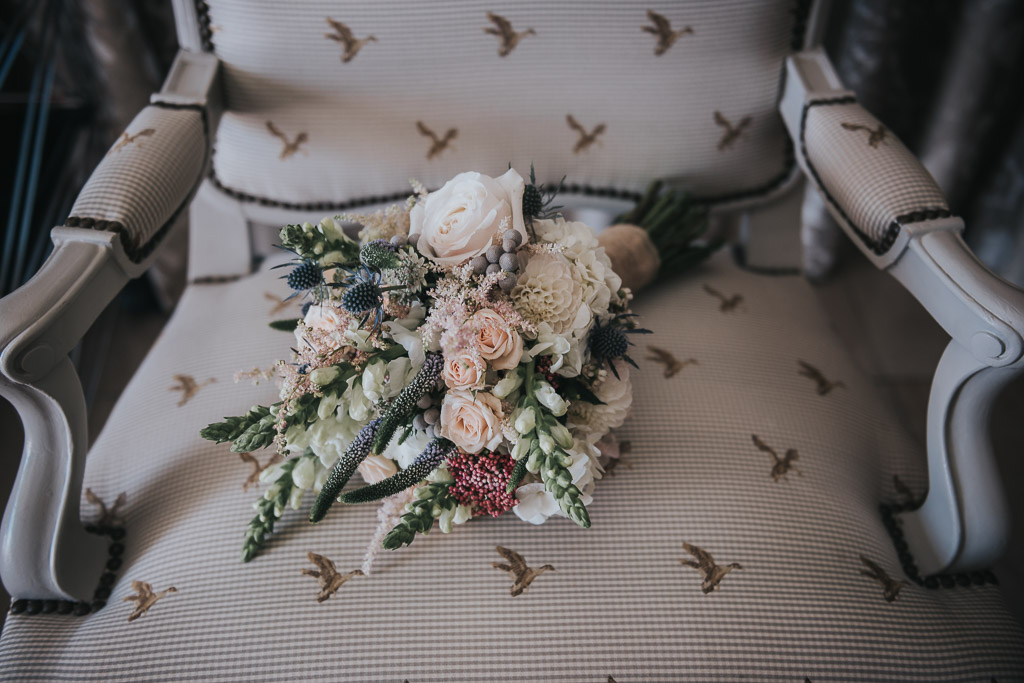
(735, 460)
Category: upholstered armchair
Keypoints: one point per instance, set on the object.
(770, 519)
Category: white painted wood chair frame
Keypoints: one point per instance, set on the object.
(45, 553)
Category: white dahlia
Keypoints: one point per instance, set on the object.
(548, 291)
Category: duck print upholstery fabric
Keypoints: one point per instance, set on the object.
(737, 536)
(333, 102)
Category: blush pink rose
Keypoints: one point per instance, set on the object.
(499, 343)
(463, 371)
(471, 422)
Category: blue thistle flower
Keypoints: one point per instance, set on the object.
(306, 275)
(364, 294)
(608, 342)
(538, 199)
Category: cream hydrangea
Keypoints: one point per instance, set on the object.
(616, 393)
(404, 453)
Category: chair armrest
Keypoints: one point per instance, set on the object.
(894, 211)
(131, 200)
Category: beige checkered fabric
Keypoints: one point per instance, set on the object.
(865, 171)
(149, 172)
(304, 126)
(620, 602)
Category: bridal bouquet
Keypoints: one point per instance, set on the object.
(467, 356)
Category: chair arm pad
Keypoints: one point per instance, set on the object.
(870, 178)
(147, 177)
(871, 183)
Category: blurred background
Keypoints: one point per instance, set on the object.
(944, 76)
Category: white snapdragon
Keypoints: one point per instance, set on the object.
(296, 439)
(406, 333)
(328, 404)
(521, 449)
(330, 229)
(304, 473)
(549, 398)
(507, 384)
(358, 336)
(385, 380)
(561, 435)
(359, 406)
(454, 515)
(324, 376)
(525, 420)
(566, 350)
(327, 439)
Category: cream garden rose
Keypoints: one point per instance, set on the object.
(375, 468)
(323, 317)
(499, 343)
(471, 421)
(464, 217)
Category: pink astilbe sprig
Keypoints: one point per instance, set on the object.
(256, 375)
(481, 481)
(456, 298)
(388, 514)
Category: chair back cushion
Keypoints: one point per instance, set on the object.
(331, 104)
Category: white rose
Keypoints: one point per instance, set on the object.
(463, 218)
